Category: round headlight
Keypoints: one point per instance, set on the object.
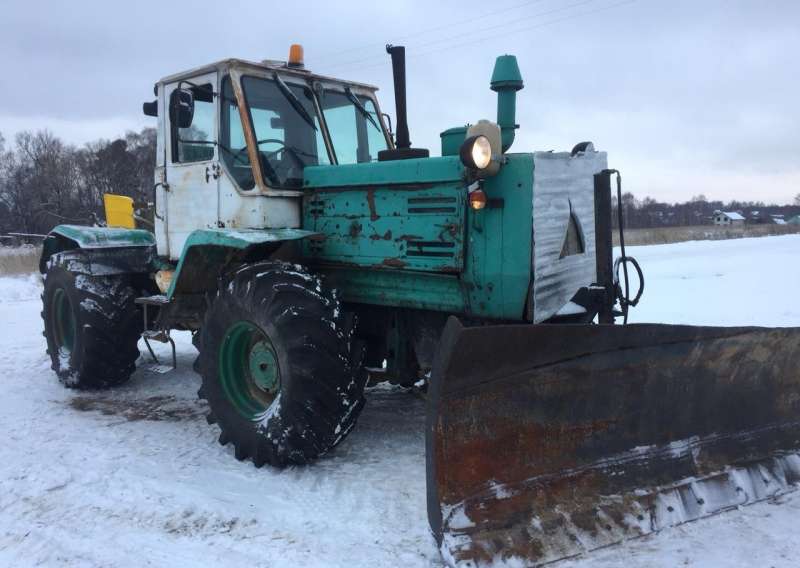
(476, 152)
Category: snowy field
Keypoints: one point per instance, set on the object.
(135, 477)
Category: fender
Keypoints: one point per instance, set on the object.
(106, 250)
(207, 252)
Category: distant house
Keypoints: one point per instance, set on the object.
(728, 218)
(777, 219)
(794, 220)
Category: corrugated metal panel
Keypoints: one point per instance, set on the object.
(562, 184)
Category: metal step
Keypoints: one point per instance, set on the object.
(155, 300)
(161, 336)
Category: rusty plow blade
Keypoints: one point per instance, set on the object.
(547, 441)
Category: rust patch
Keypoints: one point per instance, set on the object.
(454, 229)
(367, 187)
(355, 229)
(394, 262)
(409, 238)
(373, 214)
(541, 433)
(387, 236)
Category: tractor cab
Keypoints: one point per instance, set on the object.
(234, 138)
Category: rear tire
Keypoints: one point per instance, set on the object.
(276, 367)
(91, 324)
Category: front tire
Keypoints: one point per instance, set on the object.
(91, 323)
(276, 368)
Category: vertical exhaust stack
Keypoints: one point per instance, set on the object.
(398, 54)
(403, 149)
(506, 81)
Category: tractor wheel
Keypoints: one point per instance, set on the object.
(275, 362)
(91, 324)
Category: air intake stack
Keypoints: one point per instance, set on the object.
(506, 81)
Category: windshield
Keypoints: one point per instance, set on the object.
(354, 126)
(287, 130)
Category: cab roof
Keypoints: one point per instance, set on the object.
(266, 65)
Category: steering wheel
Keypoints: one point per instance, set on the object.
(269, 171)
(289, 150)
(238, 154)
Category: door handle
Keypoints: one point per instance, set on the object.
(213, 171)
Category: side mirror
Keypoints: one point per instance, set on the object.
(181, 108)
(150, 109)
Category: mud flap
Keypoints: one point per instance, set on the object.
(547, 441)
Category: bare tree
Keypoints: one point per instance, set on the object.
(44, 182)
(123, 167)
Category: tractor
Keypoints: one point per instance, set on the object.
(310, 251)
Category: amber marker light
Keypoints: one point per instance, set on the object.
(477, 199)
(295, 55)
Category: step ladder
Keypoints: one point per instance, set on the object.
(160, 335)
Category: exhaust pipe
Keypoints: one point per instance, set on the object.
(403, 149)
(506, 81)
(398, 54)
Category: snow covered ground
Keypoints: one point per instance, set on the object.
(734, 282)
(135, 477)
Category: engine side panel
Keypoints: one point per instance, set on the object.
(401, 234)
(418, 228)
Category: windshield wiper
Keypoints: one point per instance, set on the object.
(360, 106)
(294, 101)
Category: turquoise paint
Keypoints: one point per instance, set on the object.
(506, 81)
(67, 237)
(241, 238)
(452, 138)
(104, 237)
(398, 288)
(487, 277)
(207, 251)
(397, 172)
(498, 270)
(420, 229)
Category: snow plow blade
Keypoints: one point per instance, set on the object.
(547, 441)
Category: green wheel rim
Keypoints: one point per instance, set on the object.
(63, 318)
(248, 370)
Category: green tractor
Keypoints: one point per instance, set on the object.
(310, 250)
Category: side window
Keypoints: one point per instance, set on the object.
(196, 143)
(233, 147)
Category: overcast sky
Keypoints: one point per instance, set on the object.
(687, 97)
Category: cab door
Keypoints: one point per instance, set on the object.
(192, 171)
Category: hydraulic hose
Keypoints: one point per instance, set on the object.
(624, 296)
